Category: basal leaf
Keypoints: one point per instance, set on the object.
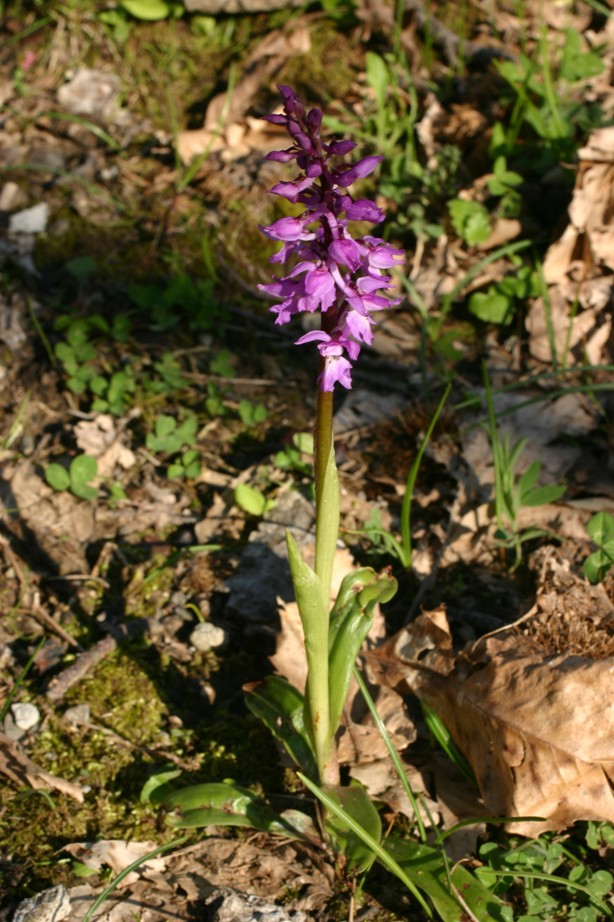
(357, 803)
(280, 706)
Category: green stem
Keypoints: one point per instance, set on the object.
(327, 494)
(327, 530)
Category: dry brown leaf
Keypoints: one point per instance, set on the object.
(227, 128)
(116, 854)
(537, 730)
(578, 266)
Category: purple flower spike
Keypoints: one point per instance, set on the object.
(342, 277)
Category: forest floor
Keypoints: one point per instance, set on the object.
(155, 443)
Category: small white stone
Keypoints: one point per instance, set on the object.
(207, 636)
(25, 715)
(30, 220)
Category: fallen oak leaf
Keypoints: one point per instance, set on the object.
(537, 731)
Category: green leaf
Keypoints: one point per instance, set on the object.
(577, 64)
(355, 801)
(377, 77)
(165, 425)
(81, 267)
(225, 804)
(149, 10)
(98, 385)
(601, 527)
(529, 479)
(597, 565)
(83, 468)
(76, 385)
(175, 471)
(84, 491)
(491, 306)
(157, 788)
(470, 220)
(280, 707)
(187, 430)
(57, 477)
(381, 853)
(252, 501)
(314, 618)
(542, 495)
(221, 364)
(304, 442)
(350, 622)
(192, 470)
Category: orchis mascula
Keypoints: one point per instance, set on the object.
(333, 272)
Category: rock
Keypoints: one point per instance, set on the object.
(25, 715)
(29, 221)
(77, 715)
(90, 92)
(226, 905)
(51, 905)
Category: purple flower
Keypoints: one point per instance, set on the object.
(341, 276)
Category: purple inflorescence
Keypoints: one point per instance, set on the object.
(341, 276)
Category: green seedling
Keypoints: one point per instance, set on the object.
(77, 479)
(251, 414)
(601, 530)
(503, 184)
(251, 500)
(186, 467)
(222, 364)
(575, 890)
(78, 357)
(112, 394)
(170, 376)
(499, 303)
(214, 404)
(514, 491)
(470, 220)
(170, 437)
(297, 457)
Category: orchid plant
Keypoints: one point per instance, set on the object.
(345, 280)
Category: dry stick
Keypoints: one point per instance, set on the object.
(79, 669)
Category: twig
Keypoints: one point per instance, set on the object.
(79, 669)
